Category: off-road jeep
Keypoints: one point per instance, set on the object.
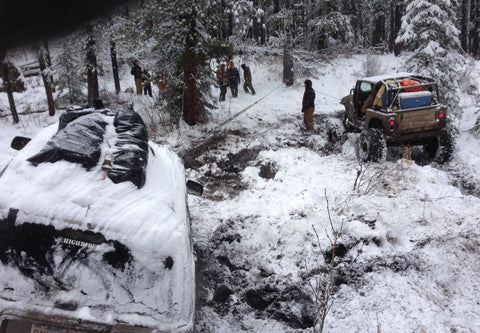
(397, 109)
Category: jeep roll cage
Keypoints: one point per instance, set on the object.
(392, 84)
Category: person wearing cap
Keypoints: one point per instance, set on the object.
(233, 79)
(247, 79)
(308, 105)
(222, 80)
(137, 75)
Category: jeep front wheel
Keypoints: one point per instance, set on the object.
(371, 145)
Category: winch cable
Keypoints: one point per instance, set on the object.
(217, 128)
(248, 107)
(338, 99)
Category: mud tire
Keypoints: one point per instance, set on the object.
(371, 145)
(446, 144)
(430, 146)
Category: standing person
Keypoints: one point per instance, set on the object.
(222, 80)
(308, 105)
(137, 75)
(146, 79)
(247, 79)
(162, 85)
(233, 79)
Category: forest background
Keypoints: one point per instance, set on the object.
(184, 41)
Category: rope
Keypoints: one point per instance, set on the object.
(338, 99)
(216, 128)
(237, 114)
(203, 139)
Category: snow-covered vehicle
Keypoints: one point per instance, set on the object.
(397, 109)
(95, 231)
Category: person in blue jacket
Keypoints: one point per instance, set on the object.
(233, 79)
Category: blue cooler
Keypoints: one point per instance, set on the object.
(409, 100)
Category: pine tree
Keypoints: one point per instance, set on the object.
(68, 69)
(475, 22)
(109, 42)
(186, 36)
(328, 26)
(429, 33)
(469, 25)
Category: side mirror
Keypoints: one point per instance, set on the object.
(19, 142)
(194, 188)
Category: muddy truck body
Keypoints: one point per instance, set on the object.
(397, 109)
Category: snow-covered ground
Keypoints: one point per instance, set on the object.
(269, 190)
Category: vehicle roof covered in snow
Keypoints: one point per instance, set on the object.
(151, 221)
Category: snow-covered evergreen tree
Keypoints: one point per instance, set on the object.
(428, 31)
(374, 23)
(68, 65)
(183, 36)
(328, 25)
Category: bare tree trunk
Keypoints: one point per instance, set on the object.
(399, 9)
(476, 28)
(113, 56)
(190, 74)
(8, 87)
(262, 30)
(255, 27)
(391, 39)
(42, 60)
(91, 65)
(288, 77)
(48, 63)
(468, 22)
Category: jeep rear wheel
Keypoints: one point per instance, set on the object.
(445, 148)
(430, 146)
(371, 145)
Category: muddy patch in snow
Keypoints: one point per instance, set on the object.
(234, 286)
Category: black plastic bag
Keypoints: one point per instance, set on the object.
(130, 156)
(78, 140)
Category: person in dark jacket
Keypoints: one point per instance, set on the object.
(222, 80)
(137, 75)
(247, 79)
(308, 105)
(146, 79)
(233, 79)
